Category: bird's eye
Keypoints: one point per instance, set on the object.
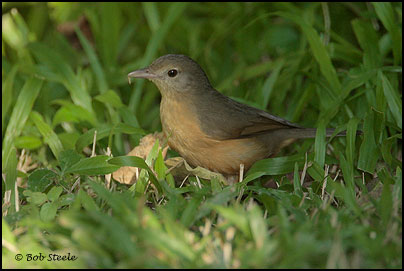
(172, 73)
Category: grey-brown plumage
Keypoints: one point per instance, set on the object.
(209, 129)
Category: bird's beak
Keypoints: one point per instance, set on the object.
(142, 73)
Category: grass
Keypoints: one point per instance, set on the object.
(320, 204)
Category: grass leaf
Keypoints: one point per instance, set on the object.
(48, 134)
(393, 100)
(19, 116)
(97, 165)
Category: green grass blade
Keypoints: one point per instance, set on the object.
(368, 153)
(385, 12)
(269, 83)
(27, 142)
(72, 113)
(152, 15)
(105, 131)
(7, 94)
(174, 12)
(159, 166)
(296, 181)
(319, 144)
(350, 139)
(318, 49)
(10, 171)
(191, 210)
(49, 135)
(95, 64)
(111, 24)
(368, 40)
(347, 171)
(277, 165)
(386, 204)
(235, 216)
(393, 99)
(110, 97)
(53, 60)
(322, 57)
(19, 116)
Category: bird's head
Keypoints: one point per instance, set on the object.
(174, 74)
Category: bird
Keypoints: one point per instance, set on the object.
(209, 129)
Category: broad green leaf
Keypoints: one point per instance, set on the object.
(97, 165)
(36, 198)
(110, 97)
(68, 158)
(69, 140)
(129, 161)
(48, 211)
(41, 179)
(66, 199)
(54, 193)
(252, 176)
(72, 113)
(27, 142)
(86, 201)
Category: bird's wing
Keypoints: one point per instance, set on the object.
(224, 118)
(264, 122)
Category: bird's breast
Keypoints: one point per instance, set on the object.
(182, 128)
(180, 124)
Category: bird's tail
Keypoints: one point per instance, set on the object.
(295, 133)
(283, 137)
